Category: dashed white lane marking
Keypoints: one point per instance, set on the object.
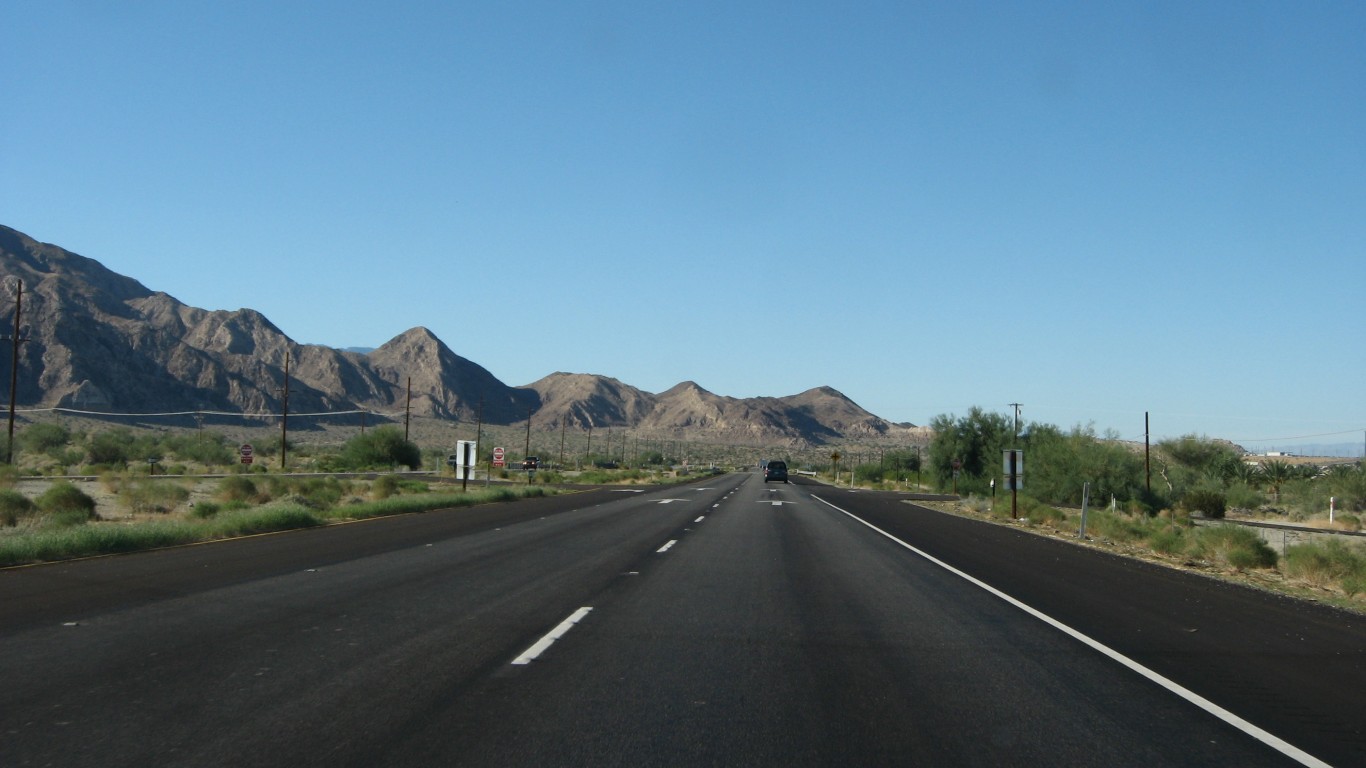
(700, 519)
(666, 547)
(540, 646)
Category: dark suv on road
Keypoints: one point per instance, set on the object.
(776, 470)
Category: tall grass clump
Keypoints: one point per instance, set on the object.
(1118, 526)
(145, 496)
(402, 505)
(267, 519)
(384, 487)
(14, 506)
(237, 488)
(1036, 512)
(1239, 547)
(1327, 564)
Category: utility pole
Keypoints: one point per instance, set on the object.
(1147, 455)
(14, 368)
(1016, 406)
(478, 437)
(284, 413)
(527, 452)
(563, 422)
(408, 409)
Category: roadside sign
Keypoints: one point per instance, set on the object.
(1012, 462)
(498, 458)
(246, 453)
(466, 453)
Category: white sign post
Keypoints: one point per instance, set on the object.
(1012, 465)
(466, 452)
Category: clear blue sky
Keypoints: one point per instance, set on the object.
(1093, 209)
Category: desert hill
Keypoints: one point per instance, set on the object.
(102, 342)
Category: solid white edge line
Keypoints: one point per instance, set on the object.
(1271, 740)
(665, 548)
(541, 645)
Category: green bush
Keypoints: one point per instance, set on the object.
(321, 492)
(205, 509)
(1239, 547)
(1211, 504)
(146, 496)
(1326, 564)
(1167, 540)
(44, 438)
(380, 448)
(384, 487)
(66, 518)
(65, 499)
(14, 506)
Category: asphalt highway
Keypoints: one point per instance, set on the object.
(725, 622)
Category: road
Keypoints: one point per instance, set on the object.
(725, 622)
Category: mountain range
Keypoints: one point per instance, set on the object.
(102, 342)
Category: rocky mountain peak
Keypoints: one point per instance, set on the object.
(105, 342)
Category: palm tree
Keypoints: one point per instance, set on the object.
(1276, 474)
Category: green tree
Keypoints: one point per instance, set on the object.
(975, 440)
(1276, 474)
(1058, 464)
(1198, 453)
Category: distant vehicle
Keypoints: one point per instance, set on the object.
(531, 462)
(775, 470)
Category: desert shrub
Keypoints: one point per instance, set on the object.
(44, 438)
(384, 487)
(1168, 540)
(1241, 495)
(152, 496)
(237, 488)
(321, 492)
(65, 499)
(1036, 512)
(382, 447)
(110, 448)
(1117, 526)
(1349, 522)
(1239, 547)
(1327, 563)
(205, 509)
(67, 518)
(14, 506)
(1211, 504)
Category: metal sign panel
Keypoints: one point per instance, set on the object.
(466, 453)
(1012, 462)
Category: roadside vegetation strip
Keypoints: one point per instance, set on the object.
(93, 539)
(1256, 732)
(1331, 572)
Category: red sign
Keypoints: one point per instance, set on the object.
(246, 451)
(498, 455)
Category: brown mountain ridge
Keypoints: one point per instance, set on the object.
(101, 342)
